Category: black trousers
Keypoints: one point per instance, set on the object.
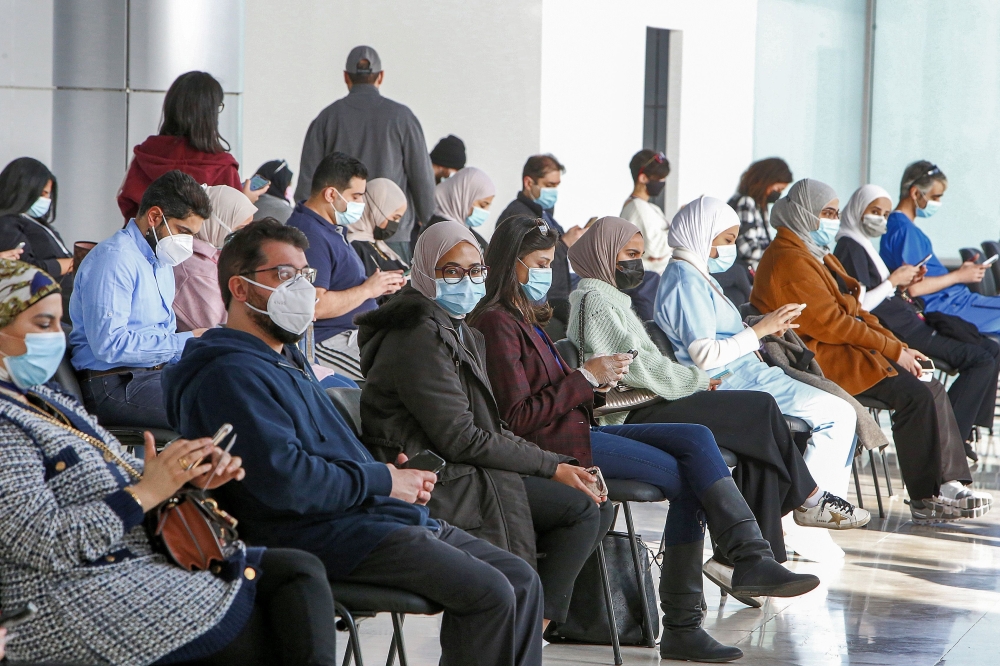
(973, 393)
(771, 473)
(568, 527)
(292, 623)
(492, 599)
(127, 399)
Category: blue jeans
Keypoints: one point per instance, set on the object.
(127, 399)
(680, 459)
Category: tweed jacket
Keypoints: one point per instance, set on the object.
(540, 397)
(71, 543)
(850, 344)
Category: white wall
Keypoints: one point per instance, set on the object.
(593, 63)
(465, 67)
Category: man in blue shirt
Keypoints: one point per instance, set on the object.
(920, 194)
(124, 328)
(311, 484)
(343, 290)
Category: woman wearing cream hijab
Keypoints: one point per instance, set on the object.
(385, 204)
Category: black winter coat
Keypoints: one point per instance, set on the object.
(42, 244)
(426, 388)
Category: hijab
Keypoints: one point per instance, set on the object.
(454, 196)
(696, 225)
(230, 208)
(432, 244)
(382, 198)
(21, 286)
(799, 211)
(850, 222)
(279, 174)
(595, 254)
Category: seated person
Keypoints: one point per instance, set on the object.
(72, 540)
(549, 404)
(447, 157)
(197, 301)
(385, 204)
(465, 198)
(649, 176)
(274, 202)
(973, 393)
(861, 355)
(426, 389)
(343, 289)
(771, 473)
(706, 330)
(920, 194)
(310, 483)
(124, 328)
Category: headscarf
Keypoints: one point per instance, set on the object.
(279, 174)
(431, 245)
(230, 208)
(696, 225)
(799, 211)
(454, 196)
(382, 198)
(21, 286)
(595, 253)
(850, 222)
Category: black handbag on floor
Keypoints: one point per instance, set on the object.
(587, 621)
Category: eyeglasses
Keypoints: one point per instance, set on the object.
(454, 274)
(829, 211)
(286, 273)
(933, 171)
(659, 158)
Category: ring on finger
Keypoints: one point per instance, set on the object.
(183, 462)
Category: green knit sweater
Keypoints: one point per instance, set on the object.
(612, 327)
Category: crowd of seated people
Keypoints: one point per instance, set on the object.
(197, 313)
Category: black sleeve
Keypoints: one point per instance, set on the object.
(856, 262)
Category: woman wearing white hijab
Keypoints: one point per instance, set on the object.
(706, 330)
(975, 358)
(465, 198)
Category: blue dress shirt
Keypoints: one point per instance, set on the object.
(121, 307)
(906, 243)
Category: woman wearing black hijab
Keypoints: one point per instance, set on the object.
(274, 203)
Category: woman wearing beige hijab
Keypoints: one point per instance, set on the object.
(465, 198)
(198, 300)
(385, 204)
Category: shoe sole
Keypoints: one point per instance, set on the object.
(701, 660)
(742, 598)
(790, 589)
(833, 526)
(950, 511)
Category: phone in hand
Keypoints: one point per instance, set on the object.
(15, 616)
(633, 352)
(600, 487)
(217, 438)
(20, 246)
(425, 461)
(992, 260)
(725, 372)
(926, 369)
(924, 260)
(258, 182)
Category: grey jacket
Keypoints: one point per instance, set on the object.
(103, 596)
(386, 137)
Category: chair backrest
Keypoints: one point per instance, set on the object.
(65, 374)
(992, 249)
(660, 339)
(568, 351)
(974, 255)
(348, 403)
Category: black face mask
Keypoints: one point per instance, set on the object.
(655, 187)
(773, 197)
(391, 227)
(629, 274)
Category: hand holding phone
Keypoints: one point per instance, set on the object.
(425, 461)
(217, 438)
(258, 182)
(992, 260)
(925, 260)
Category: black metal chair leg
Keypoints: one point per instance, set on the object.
(878, 490)
(397, 641)
(885, 468)
(353, 642)
(647, 629)
(857, 483)
(608, 605)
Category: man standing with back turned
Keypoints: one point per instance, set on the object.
(383, 134)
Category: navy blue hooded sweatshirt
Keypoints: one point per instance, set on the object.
(310, 484)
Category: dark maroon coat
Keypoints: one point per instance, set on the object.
(540, 398)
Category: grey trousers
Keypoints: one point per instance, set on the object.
(492, 599)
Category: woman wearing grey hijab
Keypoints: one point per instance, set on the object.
(863, 357)
(426, 389)
(770, 472)
(465, 198)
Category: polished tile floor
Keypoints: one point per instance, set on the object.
(904, 594)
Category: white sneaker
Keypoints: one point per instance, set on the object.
(722, 576)
(965, 501)
(815, 545)
(832, 513)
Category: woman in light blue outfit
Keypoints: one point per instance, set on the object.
(706, 330)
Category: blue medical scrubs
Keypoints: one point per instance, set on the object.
(905, 243)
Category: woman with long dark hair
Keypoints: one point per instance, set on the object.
(276, 200)
(548, 403)
(188, 141)
(28, 196)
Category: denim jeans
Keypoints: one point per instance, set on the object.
(680, 459)
(128, 399)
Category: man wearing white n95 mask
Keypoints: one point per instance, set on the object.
(124, 328)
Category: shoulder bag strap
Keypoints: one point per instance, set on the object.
(579, 350)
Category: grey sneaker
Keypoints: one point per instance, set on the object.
(722, 576)
(931, 510)
(832, 513)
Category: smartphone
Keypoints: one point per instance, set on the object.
(426, 461)
(258, 182)
(16, 616)
(217, 438)
(992, 260)
(633, 352)
(726, 372)
(20, 246)
(602, 487)
(925, 260)
(926, 364)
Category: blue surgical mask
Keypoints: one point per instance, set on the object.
(40, 207)
(547, 198)
(477, 217)
(539, 281)
(353, 212)
(459, 299)
(41, 360)
(929, 210)
(725, 260)
(827, 231)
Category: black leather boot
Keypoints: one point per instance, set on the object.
(736, 534)
(680, 598)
